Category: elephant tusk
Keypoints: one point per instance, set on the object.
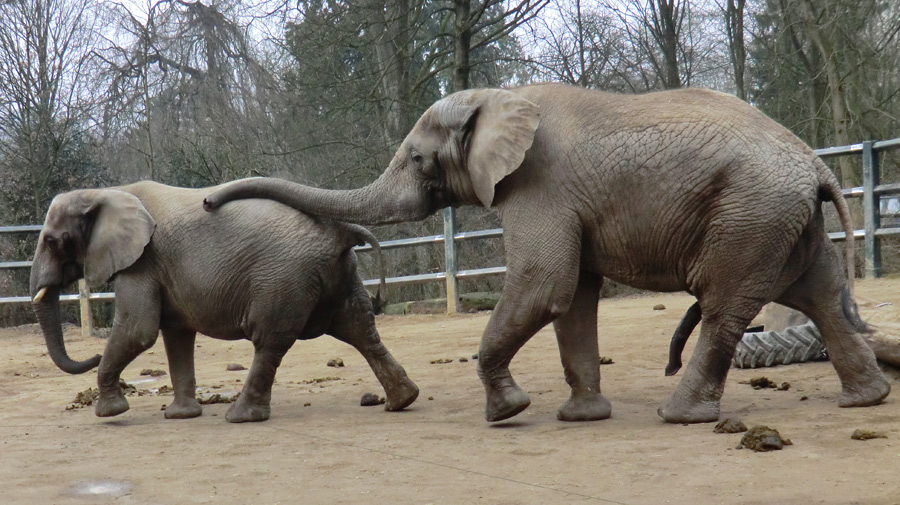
(40, 295)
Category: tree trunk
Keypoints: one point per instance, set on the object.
(839, 115)
(734, 25)
(668, 24)
(392, 22)
(461, 44)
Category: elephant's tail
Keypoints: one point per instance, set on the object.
(363, 234)
(830, 190)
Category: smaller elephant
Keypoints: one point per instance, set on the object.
(259, 271)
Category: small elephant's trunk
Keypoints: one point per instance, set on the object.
(46, 308)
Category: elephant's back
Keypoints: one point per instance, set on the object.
(219, 268)
(179, 213)
(693, 114)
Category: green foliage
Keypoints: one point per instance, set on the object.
(788, 72)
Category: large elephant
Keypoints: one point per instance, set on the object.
(679, 190)
(259, 271)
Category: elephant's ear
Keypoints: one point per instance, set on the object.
(503, 130)
(121, 229)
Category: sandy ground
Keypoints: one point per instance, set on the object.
(321, 446)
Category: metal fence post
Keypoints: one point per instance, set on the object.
(871, 210)
(84, 299)
(450, 260)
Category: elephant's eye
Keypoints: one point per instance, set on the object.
(418, 159)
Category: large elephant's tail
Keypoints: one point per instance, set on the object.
(830, 190)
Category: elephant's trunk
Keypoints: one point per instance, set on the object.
(381, 202)
(46, 308)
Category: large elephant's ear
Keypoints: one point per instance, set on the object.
(121, 229)
(503, 130)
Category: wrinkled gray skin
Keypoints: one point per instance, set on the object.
(258, 271)
(687, 190)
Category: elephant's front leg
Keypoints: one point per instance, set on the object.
(540, 284)
(135, 329)
(576, 333)
(180, 351)
(253, 404)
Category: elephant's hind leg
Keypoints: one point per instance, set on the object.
(254, 403)
(821, 293)
(576, 333)
(180, 351)
(355, 325)
(696, 398)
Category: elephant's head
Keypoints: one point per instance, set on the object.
(91, 234)
(455, 154)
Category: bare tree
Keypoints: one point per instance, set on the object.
(481, 23)
(186, 92)
(578, 45)
(733, 12)
(659, 32)
(45, 86)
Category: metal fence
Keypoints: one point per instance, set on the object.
(871, 192)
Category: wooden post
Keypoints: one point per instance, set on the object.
(450, 260)
(84, 299)
(871, 210)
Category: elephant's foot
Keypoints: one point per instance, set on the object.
(108, 406)
(675, 410)
(184, 409)
(585, 407)
(241, 412)
(867, 393)
(505, 402)
(402, 396)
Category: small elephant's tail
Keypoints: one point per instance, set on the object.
(830, 190)
(364, 235)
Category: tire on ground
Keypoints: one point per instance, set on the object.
(796, 344)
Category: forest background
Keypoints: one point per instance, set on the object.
(188, 93)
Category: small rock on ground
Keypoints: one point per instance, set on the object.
(153, 373)
(730, 425)
(336, 362)
(763, 439)
(659, 306)
(370, 399)
(765, 383)
(235, 367)
(209, 399)
(867, 435)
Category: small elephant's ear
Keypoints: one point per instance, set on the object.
(122, 227)
(504, 127)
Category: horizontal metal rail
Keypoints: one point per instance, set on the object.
(432, 239)
(62, 298)
(387, 244)
(868, 149)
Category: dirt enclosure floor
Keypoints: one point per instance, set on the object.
(322, 447)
